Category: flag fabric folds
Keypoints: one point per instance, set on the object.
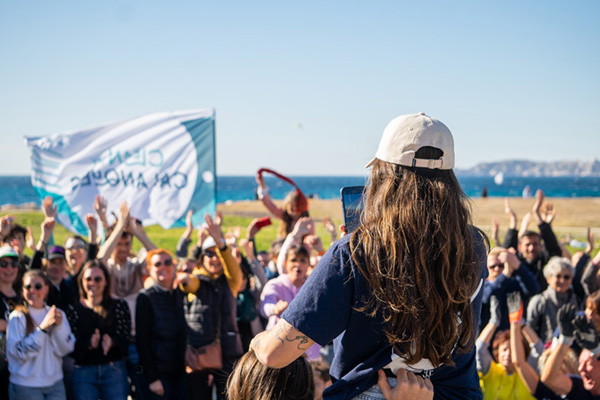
(162, 164)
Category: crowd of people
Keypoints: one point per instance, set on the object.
(541, 313)
(401, 308)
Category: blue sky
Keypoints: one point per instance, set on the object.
(512, 79)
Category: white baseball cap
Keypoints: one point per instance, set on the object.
(406, 134)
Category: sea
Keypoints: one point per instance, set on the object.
(19, 190)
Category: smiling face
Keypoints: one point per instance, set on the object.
(296, 264)
(9, 268)
(162, 270)
(530, 247)
(495, 267)
(560, 281)
(123, 248)
(504, 356)
(35, 291)
(56, 269)
(211, 261)
(93, 282)
(76, 254)
(589, 369)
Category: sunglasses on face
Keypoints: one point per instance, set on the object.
(37, 286)
(565, 277)
(96, 279)
(500, 265)
(166, 263)
(12, 263)
(210, 254)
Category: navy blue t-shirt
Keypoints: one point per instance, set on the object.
(325, 310)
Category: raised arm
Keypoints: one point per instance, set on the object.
(137, 230)
(100, 208)
(517, 351)
(111, 243)
(483, 356)
(263, 195)
(231, 268)
(553, 375)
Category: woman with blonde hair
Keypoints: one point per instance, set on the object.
(404, 290)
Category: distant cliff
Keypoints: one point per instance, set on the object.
(524, 168)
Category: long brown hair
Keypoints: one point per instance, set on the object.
(104, 308)
(415, 249)
(252, 380)
(24, 308)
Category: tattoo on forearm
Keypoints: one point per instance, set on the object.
(282, 331)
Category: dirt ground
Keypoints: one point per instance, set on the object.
(573, 215)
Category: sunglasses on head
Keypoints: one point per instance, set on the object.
(12, 263)
(37, 286)
(75, 247)
(96, 279)
(166, 263)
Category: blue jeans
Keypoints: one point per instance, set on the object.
(104, 381)
(54, 392)
(374, 393)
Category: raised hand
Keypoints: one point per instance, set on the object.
(513, 216)
(549, 213)
(565, 317)
(515, 307)
(48, 207)
(304, 226)
(100, 205)
(29, 239)
(214, 229)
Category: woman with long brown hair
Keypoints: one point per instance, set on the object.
(403, 290)
(102, 326)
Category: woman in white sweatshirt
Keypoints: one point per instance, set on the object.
(37, 338)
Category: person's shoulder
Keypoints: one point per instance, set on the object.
(16, 314)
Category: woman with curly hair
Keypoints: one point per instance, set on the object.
(404, 290)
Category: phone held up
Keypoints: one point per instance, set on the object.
(352, 205)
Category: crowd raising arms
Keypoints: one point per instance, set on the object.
(372, 280)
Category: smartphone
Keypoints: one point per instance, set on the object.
(261, 223)
(352, 205)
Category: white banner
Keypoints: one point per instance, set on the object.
(162, 164)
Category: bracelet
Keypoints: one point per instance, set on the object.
(42, 329)
(262, 192)
(320, 253)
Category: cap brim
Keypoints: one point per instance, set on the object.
(370, 164)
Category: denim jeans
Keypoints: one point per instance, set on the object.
(105, 381)
(54, 392)
(374, 393)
